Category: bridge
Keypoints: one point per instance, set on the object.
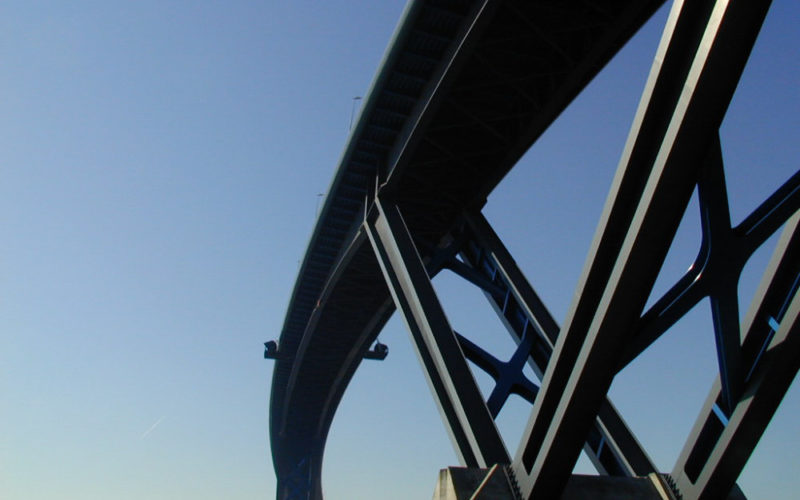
(464, 90)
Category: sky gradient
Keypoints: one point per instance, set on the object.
(161, 166)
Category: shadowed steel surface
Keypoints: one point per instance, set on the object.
(463, 91)
(680, 114)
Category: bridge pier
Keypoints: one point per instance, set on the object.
(496, 483)
(468, 420)
(484, 261)
(433, 142)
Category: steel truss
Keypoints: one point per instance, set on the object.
(673, 148)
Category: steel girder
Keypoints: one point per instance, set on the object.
(673, 148)
(698, 64)
(611, 446)
(467, 418)
(458, 77)
(447, 152)
(443, 353)
(721, 442)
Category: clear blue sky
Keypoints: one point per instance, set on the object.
(160, 165)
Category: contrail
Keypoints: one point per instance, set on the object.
(148, 431)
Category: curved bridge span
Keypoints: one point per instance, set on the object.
(464, 90)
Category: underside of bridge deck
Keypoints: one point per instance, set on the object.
(464, 90)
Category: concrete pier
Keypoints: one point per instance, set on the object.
(462, 483)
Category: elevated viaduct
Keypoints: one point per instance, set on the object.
(464, 90)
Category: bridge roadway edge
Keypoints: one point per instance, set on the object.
(289, 441)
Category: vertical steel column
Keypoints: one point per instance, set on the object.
(718, 447)
(467, 418)
(697, 67)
